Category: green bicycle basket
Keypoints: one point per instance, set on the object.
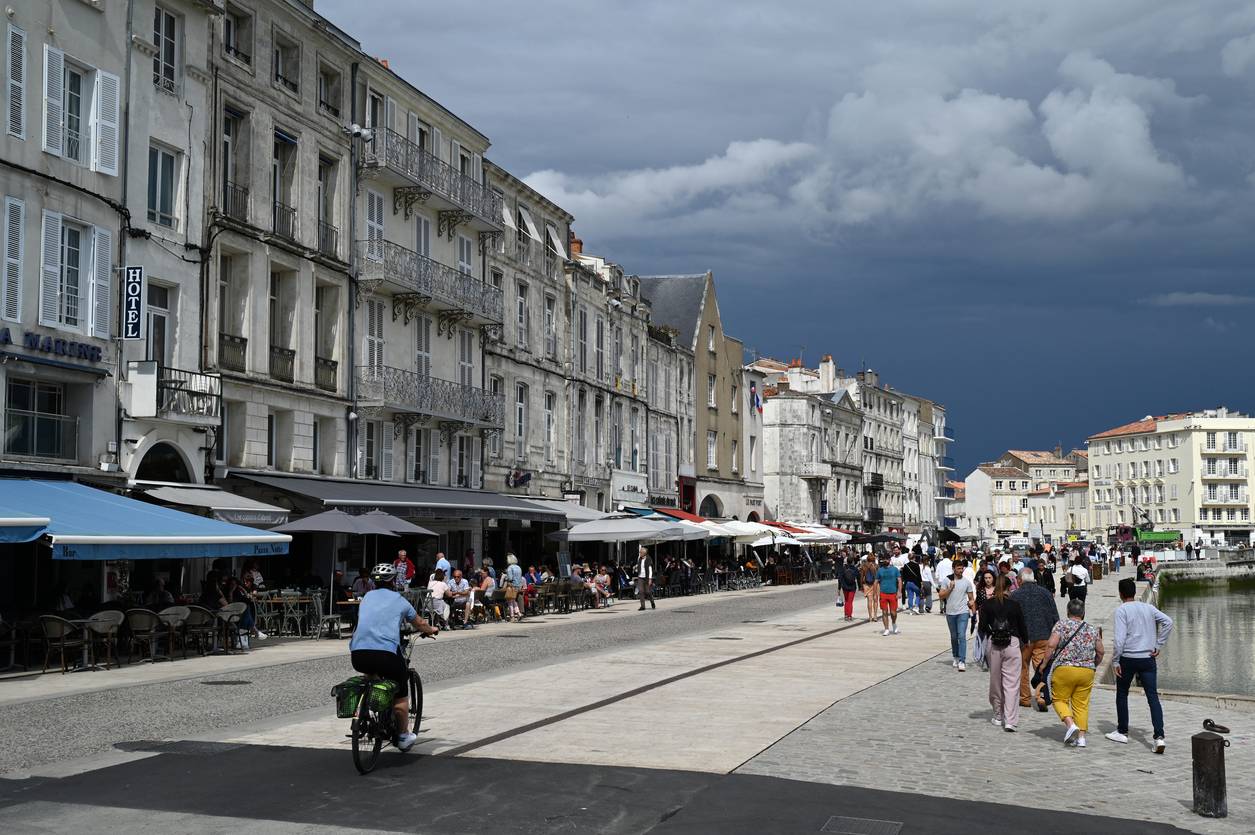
(348, 695)
(382, 695)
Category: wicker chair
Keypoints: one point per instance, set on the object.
(59, 635)
(147, 629)
(200, 626)
(102, 631)
(174, 618)
(229, 617)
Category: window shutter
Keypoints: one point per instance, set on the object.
(14, 217)
(410, 450)
(476, 479)
(105, 124)
(50, 269)
(361, 450)
(433, 456)
(385, 465)
(477, 168)
(54, 100)
(17, 82)
(437, 143)
(102, 273)
(374, 225)
(389, 113)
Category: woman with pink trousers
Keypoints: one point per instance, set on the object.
(1002, 625)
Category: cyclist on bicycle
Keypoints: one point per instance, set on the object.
(376, 645)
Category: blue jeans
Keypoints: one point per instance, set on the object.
(1147, 672)
(912, 596)
(958, 634)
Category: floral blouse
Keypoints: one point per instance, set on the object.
(1082, 649)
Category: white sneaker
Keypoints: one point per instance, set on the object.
(997, 720)
(1070, 732)
(1116, 736)
(261, 636)
(896, 630)
(406, 741)
(1080, 741)
(1160, 744)
(1009, 728)
(885, 633)
(954, 662)
(962, 667)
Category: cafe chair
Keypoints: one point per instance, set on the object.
(326, 622)
(229, 618)
(174, 618)
(102, 631)
(59, 635)
(200, 626)
(146, 628)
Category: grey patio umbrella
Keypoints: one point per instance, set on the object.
(397, 526)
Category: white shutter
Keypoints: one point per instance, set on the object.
(385, 465)
(437, 143)
(374, 334)
(424, 346)
(105, 123)
(477, 168)
(102, 275)
(409, 467)
(374, 225)
(390, 113)
(361, 450)
(433, 456)
(50, 269)
(17, 82)
(477, 446)
(14, 222)
(54, 100)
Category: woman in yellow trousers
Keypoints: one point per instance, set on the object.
(1072, 676)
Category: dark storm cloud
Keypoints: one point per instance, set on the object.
(1037, 213)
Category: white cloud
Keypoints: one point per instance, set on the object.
(1197, 299)
(1238, 55)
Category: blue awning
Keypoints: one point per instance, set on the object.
(17, 526)
(91, 524)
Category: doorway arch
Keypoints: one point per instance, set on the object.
(164, 462)
(711, 507)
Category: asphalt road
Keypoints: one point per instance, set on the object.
(76, 726)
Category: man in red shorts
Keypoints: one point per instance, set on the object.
(890, 579)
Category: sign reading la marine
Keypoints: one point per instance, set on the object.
(54, 346)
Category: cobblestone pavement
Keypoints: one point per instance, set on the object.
(927, 730)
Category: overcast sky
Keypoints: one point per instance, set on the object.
(1039, 214)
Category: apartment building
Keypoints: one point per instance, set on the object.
(669, 368)
(751, 446)
(64, 185)
(1043, 466)
(1186, 471)
(883, 449)
(996, 501)
(935, 464)
(913, 503)
(529, 355)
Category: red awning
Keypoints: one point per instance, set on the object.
(675, 513)
(787, 528)
(843, 530)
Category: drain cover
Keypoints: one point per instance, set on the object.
(861, 826)
(722, 638)
(225, 682)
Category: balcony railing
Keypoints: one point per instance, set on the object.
(329, 108)
(874, 514)
(282, 363)
(1220, 475)
(390, 149)
(285, 221)
(1227, 499)
(945, 462)
(232, 352)
(415, 273)
(815, 469)
(188, 393)
(238, 54)
(408, 391)
(40, 435)
(328, 239)
(326, 373)
(286, 82)
(235, 201)
(946, 433)
(875, 481)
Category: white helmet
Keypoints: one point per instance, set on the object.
(385, 572)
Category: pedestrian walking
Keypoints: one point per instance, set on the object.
(912, 581)
(927, 582)
(644, 579)
(958, 596)
(1002, 626)
(1040, 617)
(889, 580)
(1078, 579)
(871, 588)
(1078, 650)
(985, 581)
(1141, 631)
(847, 583)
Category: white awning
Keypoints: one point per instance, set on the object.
(556, 241)
(507, 216)
(228, 507)
(530, 225)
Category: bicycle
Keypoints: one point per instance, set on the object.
(374, 721)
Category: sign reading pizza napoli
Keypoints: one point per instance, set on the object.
(133, 303)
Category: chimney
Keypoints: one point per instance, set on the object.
(577, 246)
(827, 374)
(383, 62)
(1058, 450)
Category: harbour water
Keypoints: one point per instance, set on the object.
(1212, 646)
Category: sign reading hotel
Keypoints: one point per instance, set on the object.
(133, 303)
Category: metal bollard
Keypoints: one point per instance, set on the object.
(1210, 796)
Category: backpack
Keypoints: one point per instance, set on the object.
(1000, 631)
(849, 577)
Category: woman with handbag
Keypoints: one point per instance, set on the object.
(513, 587)
(1076, 651)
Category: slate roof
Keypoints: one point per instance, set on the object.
(675, 301)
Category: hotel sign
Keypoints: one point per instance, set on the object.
(133, 303)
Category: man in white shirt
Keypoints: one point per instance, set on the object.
(461, 591)
(959, 596)
(644, 579)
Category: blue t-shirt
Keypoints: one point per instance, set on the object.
(888, 576)
(443, 564)
(379, 621)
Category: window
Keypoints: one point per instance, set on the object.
(710, 338)
(315, 441)
(465, 255)
(76, 274)
(736, 467)
(1158, 468)
(634, 418)
(616, 435)
(287, 61)
(272, 440)
(16, 86)
(159, 336)
(462, 460)
(551, 327)
(1011, 485)
(234, 159)
(598, 419)
(618, 351)
(423, 243)
(1212, 492)
(329, 95)
(374, 342)
(581, 339)
(1211, 440)
(165, 36)
(520, 421)
(735, 397)
(36, 421)
(370, 449)
(520, 318)
(752, 452)
(466, 357)
(551, 401)
(1172, 491)
(1210, 464)
(710, 390)
(998, 485)
(237, 35)
(599, 347)
(423, 345)
(161, 186)
(1172, 466)
(220, 442)
(1023, 485)
(579, 430)
(712, 450)
(634, 359)
(282, 179)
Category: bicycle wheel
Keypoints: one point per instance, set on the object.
(367, 740)
(416, 701)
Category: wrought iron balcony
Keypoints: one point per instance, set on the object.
(286, 82)
(285, 221)
(874, 514)
(235, 201)
(188, 394)
(413, 393)
(328, 240)
(237, 53)
(875, 481)
(232, 352)
(408, 272)
(815, 469)
(282, 363)
(389, 150)
(326, 373)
